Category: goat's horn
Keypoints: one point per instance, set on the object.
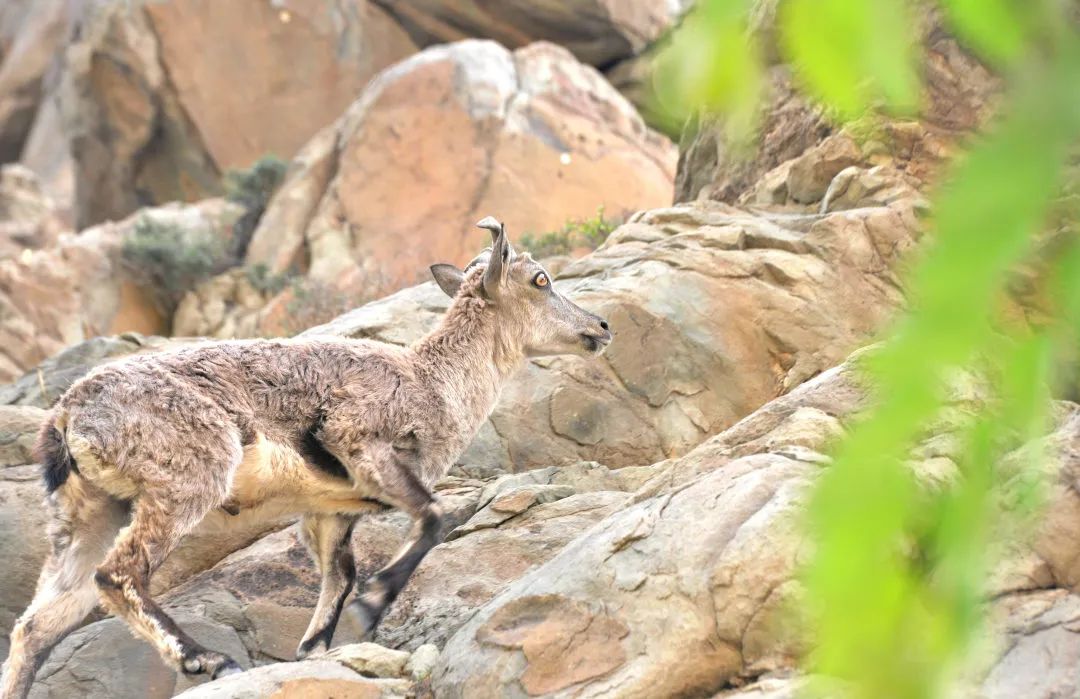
(492, 225)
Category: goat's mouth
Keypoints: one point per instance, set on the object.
(596, 344)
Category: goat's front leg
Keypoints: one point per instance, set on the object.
(328, 537)
(402, 488)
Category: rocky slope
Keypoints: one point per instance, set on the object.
(627, 526)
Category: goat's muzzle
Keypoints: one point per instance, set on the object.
(596, 341)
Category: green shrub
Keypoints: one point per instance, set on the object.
(252, 189)
(578, 233)
(265, 281)
(172, 260)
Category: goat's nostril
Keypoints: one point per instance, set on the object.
(604, 325)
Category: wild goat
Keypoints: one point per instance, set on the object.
(324, 428)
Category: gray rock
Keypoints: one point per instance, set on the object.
(18, 429)
(43, 386)
(22, 542)
(105, 661)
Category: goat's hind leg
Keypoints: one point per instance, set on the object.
(159, 522)
(402, 488)
(84, 524)
(329, 539)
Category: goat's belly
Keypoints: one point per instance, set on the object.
(274, 478)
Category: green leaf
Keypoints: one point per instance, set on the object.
(997, 29)
(851, 53)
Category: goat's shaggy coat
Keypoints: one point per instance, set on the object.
(326, 428)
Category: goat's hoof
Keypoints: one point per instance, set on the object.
(209, 663)
(310, 647)
(365, 616)
(229, 667)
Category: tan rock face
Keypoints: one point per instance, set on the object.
(451, 135)
(156, 105)
(31, 31)
(28, 219)
(21, 512)
(59, 296)
(679, 591)
(598, 32)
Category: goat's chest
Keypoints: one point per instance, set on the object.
(275, 476)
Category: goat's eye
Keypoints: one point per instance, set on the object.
(541, 280)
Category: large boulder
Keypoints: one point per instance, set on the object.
(22, 542)
(156, 106)
(59, 296)
(680, 591)
(715, 312)
(1039, 650)
(521, 521)
(599, 32)
(104, 660)
(691, 586)
(31, 32)
(444, 138)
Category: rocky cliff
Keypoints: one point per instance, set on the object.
(626, 526)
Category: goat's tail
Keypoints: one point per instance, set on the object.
(52, 452)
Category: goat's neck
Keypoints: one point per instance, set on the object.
(469, 356)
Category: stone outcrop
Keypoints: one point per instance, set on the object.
(387, 180)
(31, 34)
(28, 217)
(62, 295)
(156, 107)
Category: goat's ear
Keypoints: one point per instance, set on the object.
(448, 277)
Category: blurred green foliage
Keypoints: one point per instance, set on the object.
(896, 584)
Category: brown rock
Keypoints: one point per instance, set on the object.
(156, 106)
(486, 129)
(311, 679)
(810, 174)
(1040, 649)
(18, 429)
(28, 219)
(685, 614)
(598, 32)
(22, 542)
(564, 642)
(370, 659)
(31, 32)
(709, 169)
(461, 575)
(59, 296)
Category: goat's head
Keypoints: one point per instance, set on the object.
(521, 291)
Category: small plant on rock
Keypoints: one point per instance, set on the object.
(576, 233)
(265, 281)
(171, 260)
(252, 189)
